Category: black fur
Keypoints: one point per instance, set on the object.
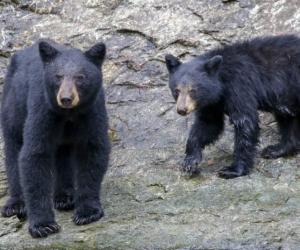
(238, 80)
(50, 152)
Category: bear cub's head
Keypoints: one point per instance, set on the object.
(194, 84)
(72, 78)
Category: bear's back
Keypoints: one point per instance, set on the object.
(265, 69)
(271, 52)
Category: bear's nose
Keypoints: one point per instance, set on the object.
(182, 111)
(66, 101)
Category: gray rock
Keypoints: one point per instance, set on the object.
(148, 203)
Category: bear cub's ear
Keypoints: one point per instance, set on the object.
(96, 53)
(47, 52)
(172, 63)
(213, 64)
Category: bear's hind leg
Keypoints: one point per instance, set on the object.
(64, 181)
(15, 204)
(288, 128)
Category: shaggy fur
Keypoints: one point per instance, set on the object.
(238, 80)
(50, 151)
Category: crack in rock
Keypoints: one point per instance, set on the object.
(139, 33)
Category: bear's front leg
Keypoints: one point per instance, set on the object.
(15, 204)
(36, 172)
(193, 151)
(246, 138)
(208, 125)
(92, 161)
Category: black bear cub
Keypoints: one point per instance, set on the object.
(238, 80)
(55, 130)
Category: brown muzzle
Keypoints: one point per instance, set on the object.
(185, 104)
(67, 96)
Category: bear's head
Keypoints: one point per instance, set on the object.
(72, 78)
(194, 84)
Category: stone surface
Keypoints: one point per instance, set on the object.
(148, 204)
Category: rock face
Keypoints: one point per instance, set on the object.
(148, 204)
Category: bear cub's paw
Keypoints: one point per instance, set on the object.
(14, 206)
(277, 151)
(64, 202)
(230, 172)
(191, 164)
(42, 230)
(86, 214)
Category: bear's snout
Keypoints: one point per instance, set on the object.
(185, 104)
(67, 96)
(66, 101)
(182, 111)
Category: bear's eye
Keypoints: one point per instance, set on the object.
(192, 92)
(176, 93)
(59, 76)
(79, 77)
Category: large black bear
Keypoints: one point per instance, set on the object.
(238, 80)
(55, 130)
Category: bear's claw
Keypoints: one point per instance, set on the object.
(230, 172)
(40, 231)
(87, 215)
(64, 202)
(277, 151)
(14, 207)
(191, 163)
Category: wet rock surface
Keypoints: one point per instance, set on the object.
(148, 203)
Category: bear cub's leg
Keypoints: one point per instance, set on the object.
(36, 162)
(64, 179)
(193, 152)
(92, 161)
(208, 125)
(289, 130)
(246, 139)
(15, 204)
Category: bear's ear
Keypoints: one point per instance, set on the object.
(213, 64)
(47, 52)
(172, 63)
(96, 53)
